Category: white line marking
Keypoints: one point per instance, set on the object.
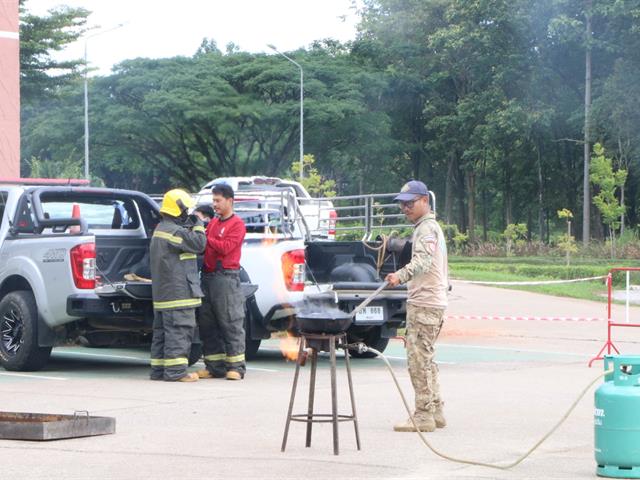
(263, 369)
(10, 35)
(101, 355)
(513, 349)
(25, 375)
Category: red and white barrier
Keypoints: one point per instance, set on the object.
(520, 318)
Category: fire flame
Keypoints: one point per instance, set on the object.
(289, 347)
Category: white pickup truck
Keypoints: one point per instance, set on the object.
(319, 214)
(291, 268)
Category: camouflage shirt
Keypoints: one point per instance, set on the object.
(427, 274)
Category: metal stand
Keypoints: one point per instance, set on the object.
(322, 342)
(609, 346)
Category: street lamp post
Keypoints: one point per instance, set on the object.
(301, 108)
(86, 99)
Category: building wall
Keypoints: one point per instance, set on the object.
(9, 90)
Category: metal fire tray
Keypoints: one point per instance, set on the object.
(45, 426)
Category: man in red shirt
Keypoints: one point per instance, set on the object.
(221, 319)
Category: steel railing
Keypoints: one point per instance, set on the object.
(363, 215)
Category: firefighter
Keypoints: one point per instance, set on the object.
(176, 241)
(221, 318)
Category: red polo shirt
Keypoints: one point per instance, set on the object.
(224, 243)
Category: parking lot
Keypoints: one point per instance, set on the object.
(505, 383)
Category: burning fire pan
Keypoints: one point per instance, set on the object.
(44, 426)
(330, 322)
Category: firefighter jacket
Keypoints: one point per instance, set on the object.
(174, 267)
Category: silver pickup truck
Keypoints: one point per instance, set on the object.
(65, 255)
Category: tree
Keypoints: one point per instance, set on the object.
(40, 73)
(607, 181)
(312, 181)
(567, 242)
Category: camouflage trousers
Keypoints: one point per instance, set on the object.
(423, 327)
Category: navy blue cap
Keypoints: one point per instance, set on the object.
(411, 190)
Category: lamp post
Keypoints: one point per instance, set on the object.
(86, 99)
(301, 108)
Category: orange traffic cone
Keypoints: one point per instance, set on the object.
(75, 213)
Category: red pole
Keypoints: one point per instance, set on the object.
(609, 297)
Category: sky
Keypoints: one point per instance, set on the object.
(166, 28)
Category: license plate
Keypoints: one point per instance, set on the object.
(370, 313)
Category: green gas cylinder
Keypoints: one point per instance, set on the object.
(617, 418)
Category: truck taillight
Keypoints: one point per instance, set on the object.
(83, 265)
(333, 215)
(293, 270)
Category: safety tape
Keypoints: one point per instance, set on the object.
(188, 256)
(541, 282)
(509, 317)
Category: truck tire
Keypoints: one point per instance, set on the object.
(195, 354)
(19, 349)
(371, 338)
(251, 348)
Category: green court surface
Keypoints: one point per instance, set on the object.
(132, 363)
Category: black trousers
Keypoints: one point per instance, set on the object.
(221, 323)
(173, 332)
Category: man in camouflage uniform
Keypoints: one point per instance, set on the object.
(176, 287)
(426, 276)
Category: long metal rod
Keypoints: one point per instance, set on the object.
(312, 391)
(369, 299)
(293, 396)
(351, 395)
(334, 394)
(272, 47)
(86, 116)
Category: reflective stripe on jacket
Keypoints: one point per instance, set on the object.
(174, 267)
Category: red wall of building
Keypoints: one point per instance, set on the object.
(9, 90)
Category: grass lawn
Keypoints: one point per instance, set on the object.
(522, 269)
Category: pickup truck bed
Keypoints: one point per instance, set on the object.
(345, 273)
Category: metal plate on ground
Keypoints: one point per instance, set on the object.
(45, 426)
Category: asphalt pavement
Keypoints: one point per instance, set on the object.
(505, 381)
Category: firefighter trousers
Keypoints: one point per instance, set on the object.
(173, 332)
(221, 323)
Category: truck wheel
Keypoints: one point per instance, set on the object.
(251, 348)
(195, 354)
(371, 338)
(19, 349)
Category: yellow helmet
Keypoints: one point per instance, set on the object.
(175, 202)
